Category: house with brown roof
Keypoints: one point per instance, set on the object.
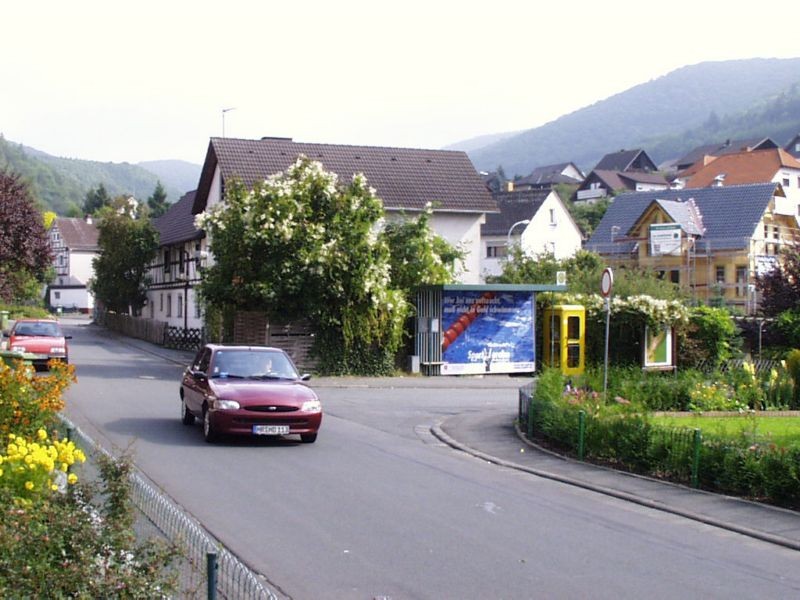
(772, 165)
(405, 179)
(74, 245)
(537, 220)
(175, 273)
(702, 155)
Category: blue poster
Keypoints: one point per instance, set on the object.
(488, 332)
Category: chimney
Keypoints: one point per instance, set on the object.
(719, 180)
(88, 219)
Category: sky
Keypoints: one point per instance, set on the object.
(149, 80)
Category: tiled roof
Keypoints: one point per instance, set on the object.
(791, 146)
(723, 148)
(177, 224)
(636, 177)
(77, 234)
(685, 213)
(619, 161)
(758, 166)
(405, 178)
(549, 174)
(514, 207)
(729, 214)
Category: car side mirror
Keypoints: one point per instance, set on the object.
(67, 337)
(305, 376)
(199, 376)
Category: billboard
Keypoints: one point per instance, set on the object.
(658, 348)
(665, 239)
(488, 332)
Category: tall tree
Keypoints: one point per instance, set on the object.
(157, 202)
(96, 198)
(127, 246)
(25, 256)
(780, 288)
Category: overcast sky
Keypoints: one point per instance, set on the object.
(145, 80)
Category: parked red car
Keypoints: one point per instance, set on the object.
(247, 390)
(41, 337)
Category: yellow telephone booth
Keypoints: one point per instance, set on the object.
(564, 339)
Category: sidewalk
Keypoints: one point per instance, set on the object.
(493, 437)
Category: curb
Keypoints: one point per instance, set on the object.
(437, 431)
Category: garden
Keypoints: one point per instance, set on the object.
(719, 420)
(61, 536)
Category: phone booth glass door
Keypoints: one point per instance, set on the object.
(564, 338)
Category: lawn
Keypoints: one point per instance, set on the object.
(780, 430)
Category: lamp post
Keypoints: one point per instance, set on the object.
(510, 229)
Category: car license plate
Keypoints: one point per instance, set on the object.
(270, 429)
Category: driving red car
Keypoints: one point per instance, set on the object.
(248, 390)
(41, 337)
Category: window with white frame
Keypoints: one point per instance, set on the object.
(552, 216)
(180, 305)
(496, 250)
(169, 305)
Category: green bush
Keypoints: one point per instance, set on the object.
(793, 366)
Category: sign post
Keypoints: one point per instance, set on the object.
(606, 285)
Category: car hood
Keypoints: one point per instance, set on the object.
(249, 391)
(35, 343)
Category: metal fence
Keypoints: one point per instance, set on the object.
(203, 559)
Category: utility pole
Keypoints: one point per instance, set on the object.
(224, 110)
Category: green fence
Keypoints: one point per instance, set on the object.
(753, 468)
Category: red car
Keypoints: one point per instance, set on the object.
(248, 390)
(41, 337)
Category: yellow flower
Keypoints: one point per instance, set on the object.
(72, 478)
(54, 487)
(28, 485)
(41, 434)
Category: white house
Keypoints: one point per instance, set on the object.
(174, 274)
(74, 246)
(535, 219)
(405, 179)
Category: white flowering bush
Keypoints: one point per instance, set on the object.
(303, 244)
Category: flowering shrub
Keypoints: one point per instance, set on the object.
(319, 257)
(29, 403)
(34, 469)
(705, 396)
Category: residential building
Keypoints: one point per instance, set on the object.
(600, 184)
(627, 160)
(74, 245)
(702, 155)
(793, 147)
(550, 175)
(711, 241)
(175, 273)
(405, 179)
(753, 166)
(535, 219)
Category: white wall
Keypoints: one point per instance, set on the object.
(80, 265)
(69, 298)
(561, 237)
(462, 230)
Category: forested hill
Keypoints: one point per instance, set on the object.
(678, 102)
(60, 184)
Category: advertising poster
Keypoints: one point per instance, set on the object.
(657, 348)
(488, 332)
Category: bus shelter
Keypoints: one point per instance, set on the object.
(477, 329)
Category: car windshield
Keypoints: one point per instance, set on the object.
(253, 364)
(38, 329)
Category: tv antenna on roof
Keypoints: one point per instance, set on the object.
(224, 110)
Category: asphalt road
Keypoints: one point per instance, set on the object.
(378, 508)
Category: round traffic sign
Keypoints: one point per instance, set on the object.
(607, 282)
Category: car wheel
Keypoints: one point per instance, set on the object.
(208, 430)
(308, 438)
(187, 418)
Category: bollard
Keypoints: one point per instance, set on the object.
(698, 443)
(581, 433)
(211, 566)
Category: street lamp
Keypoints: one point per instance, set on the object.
(523, 222)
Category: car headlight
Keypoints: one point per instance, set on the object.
(312, 406)
(17, 348)
(58, 350)
(225, 404)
